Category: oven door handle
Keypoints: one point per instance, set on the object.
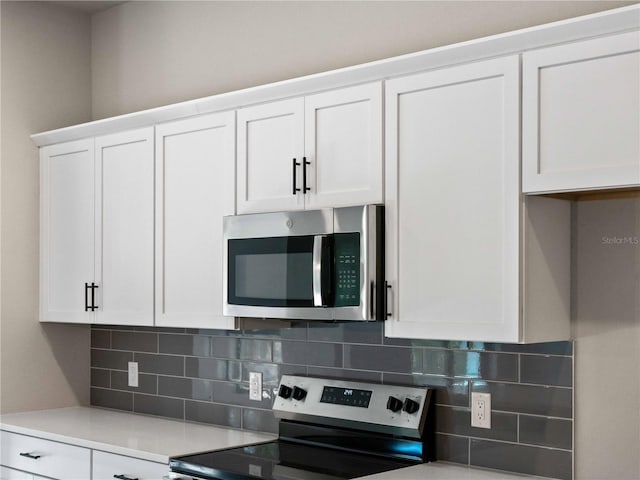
(321, 270)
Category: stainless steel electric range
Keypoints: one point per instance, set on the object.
(329, 430)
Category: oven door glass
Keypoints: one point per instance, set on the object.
(271, 272)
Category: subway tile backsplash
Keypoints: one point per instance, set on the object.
(202, 376)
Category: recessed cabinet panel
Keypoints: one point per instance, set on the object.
(453, 203)
(343, 143)
(107, 466)
(67, 230)
(195, 189)
(581, 115)
(270, 136)
(124, 264)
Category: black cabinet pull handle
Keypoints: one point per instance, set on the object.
(93, 296)
(295, 182)
(305, 189)
(124, 477)
(30, 455)
(387, 287)
(86, 297)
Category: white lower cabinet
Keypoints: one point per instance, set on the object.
(44, 457)
(107, 466)
(11, 474)
(460, 239)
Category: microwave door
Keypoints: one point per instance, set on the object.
(323, 275)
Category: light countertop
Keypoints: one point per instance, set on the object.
(444, 471)
(150, 438)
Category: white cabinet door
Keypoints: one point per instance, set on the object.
(67, 176)
(195, 180)
(453, 203)
(124, 228)
(107, 466)
(343, 145)
(581, 115)
(270, 149)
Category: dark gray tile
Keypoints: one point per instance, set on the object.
(160, 329)
(450, 448)
(344, 374)
(304, 353)
(213, 369)
(352, 332)
(533, 399)
(213, 413)
(384, 359)
(548, 432)
(488, 366)
(416, 342)
(454, 420)
(110, 359)
(225, 347)
(189, 388)
(257, 350)
(146, 383)
(100, 378)
(238, 394)
(546, 370)
(111, 399)
(274, 329)
(134, 341)
(544, 462)
(547, 348)
(197, 345)
(259, 420)
(160, 364)
(160, 406)
(271, 372)
(100, 338)
(206, 331)
(112, 327)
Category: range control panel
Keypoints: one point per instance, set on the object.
(341, 402)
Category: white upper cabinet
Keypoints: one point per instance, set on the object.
(124, 228)
(67, 238)
(322, 150)
(195, 182)
(97, 230)
(581, 115)
(453, 204)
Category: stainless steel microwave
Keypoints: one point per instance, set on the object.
(316, 265)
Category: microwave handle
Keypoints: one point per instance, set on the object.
(321, 267)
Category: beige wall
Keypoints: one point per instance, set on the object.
(147, 54)
(45, 79)
(607, 333)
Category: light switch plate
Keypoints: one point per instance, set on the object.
(133, 374)
(255, 386)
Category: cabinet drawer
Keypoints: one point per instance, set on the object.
(11, 474)
(107, 465)
(57, 460)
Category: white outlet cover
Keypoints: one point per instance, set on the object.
(255, 386)
(133, 374)
(480, 410)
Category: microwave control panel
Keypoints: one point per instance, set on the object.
(347, 269)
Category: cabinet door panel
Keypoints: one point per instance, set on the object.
(67, 230)
(453, 203)
(125, 228)
(270, 136)
(343, 142)
(195, 189)
(10, 474)
(581, 115)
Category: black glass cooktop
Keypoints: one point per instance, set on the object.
(283, 460)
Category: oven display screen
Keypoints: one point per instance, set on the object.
(346, 396)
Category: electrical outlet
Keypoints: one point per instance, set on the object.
(481, 410)
(133, 374)
(255, 386)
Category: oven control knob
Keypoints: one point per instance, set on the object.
(299, 393)
(411, 406)
(284, 391)
(394, 404)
